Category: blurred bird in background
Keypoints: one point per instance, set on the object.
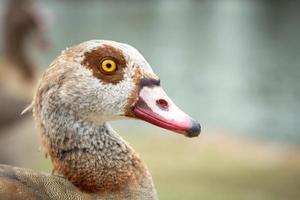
(24, 24)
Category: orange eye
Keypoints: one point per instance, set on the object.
(109, 66)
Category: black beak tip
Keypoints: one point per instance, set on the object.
(195, 130)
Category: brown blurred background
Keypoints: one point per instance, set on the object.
(231, 64)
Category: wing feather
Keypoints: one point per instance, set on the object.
(19, 183)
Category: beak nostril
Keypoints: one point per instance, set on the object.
(163, 104)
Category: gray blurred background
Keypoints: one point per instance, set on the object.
(232, 64)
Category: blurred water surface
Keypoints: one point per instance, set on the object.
(234, 65)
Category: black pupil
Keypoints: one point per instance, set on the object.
(108, 65)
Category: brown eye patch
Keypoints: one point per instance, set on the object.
(93, 60)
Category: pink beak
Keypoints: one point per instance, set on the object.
(154, 106)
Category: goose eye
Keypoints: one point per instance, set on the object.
(109, 66)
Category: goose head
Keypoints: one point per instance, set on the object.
(106, 80)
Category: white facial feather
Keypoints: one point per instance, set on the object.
(89, 96)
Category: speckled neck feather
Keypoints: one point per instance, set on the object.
(93, 156)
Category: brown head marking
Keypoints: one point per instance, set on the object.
(134, 93)
(93, 60)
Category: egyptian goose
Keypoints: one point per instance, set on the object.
(85, 87)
